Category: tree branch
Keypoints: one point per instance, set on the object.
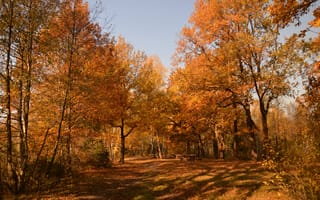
(129, 132)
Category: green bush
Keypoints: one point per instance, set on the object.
(96, 153)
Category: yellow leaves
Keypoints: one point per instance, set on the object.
(150, 75)
(316, 22)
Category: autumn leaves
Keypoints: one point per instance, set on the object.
(63, 80)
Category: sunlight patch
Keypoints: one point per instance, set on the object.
(202, 178)
(160, 188)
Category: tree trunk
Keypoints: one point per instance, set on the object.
(215, 148)
(123, 145)
(201, 147)
(66, 105)
(252, 127)
(22, 144)
(13, 181)
(25, 97)
(40, 152)
(27, 100)
(188, 147)
(264, 122)
(235, 138)
(59, 132)
(152, 149)
(123, 136)
(265, 130)
(159, 144)
(215, 145)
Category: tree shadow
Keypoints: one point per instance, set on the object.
(213, 179)
(166, 179)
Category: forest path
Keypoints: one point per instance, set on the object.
(171, 179)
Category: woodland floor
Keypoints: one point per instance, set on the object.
(169, 179)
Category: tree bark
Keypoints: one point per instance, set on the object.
(235, 134)
(264, 123)
(59, 132)
(201, 147)
(12, 174)
(123, 144)
(159, 145)
(215, 145)
(252, 127)
(123, 136)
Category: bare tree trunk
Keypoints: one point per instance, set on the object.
(159, 145)
(26, 53)
(215, 146)
(27, 98)
(12, 174)
(67, 100)
(21, 143)
(252, 127)
(235, 137)
(35, 165)
(123, 136)
(59, 132)
(123, 144)
(264, 123)
(201, 147)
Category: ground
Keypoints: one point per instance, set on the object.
(169, 179)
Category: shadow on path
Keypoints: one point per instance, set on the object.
(171, 179)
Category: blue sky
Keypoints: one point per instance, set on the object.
(152, 26)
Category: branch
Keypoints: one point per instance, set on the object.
(254, 79)
(268, 103)
(2, 76)
(129, 132)
(266, 90)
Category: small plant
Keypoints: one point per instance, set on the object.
(96, 153)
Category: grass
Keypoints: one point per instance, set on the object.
(170, 179)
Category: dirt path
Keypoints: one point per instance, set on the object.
(171, 179)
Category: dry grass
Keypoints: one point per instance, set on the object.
(169, 179)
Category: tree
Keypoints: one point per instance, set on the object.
(152, 102)
(8, 52)
(238, 43)
(70, 38)
(124, 112)
(196, 113)
(21, 35)
(112, 83)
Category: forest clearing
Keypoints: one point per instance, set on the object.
(166, 179)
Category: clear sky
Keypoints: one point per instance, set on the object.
(152, 26)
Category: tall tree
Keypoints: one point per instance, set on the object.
(112, 80)
(124, 100)
(152, 101)
(20, 35)
(70, 39)
(9, 34)
(239, 43)
(27, 67)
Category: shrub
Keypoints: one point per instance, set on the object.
(295, 164)
(96, 153)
